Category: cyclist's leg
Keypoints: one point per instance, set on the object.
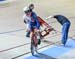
(38, 35)
(32, 41)
(34, 44)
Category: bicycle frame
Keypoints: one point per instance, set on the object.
(34, 42)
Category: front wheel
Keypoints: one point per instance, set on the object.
(34, 43)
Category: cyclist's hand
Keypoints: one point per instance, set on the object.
(37, 30)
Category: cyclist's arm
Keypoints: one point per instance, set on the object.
(24, 18)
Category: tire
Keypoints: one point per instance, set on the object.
(33, 43)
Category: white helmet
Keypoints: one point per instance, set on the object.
(26, 10)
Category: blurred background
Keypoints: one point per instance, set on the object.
(12, 27)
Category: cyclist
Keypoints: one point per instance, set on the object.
(32, 23)
(31, 7)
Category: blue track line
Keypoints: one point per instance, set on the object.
(55, 51)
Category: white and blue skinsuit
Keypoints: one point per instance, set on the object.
(65, 29)
(31, 25)
(34, 23)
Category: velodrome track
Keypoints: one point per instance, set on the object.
(14, 44)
